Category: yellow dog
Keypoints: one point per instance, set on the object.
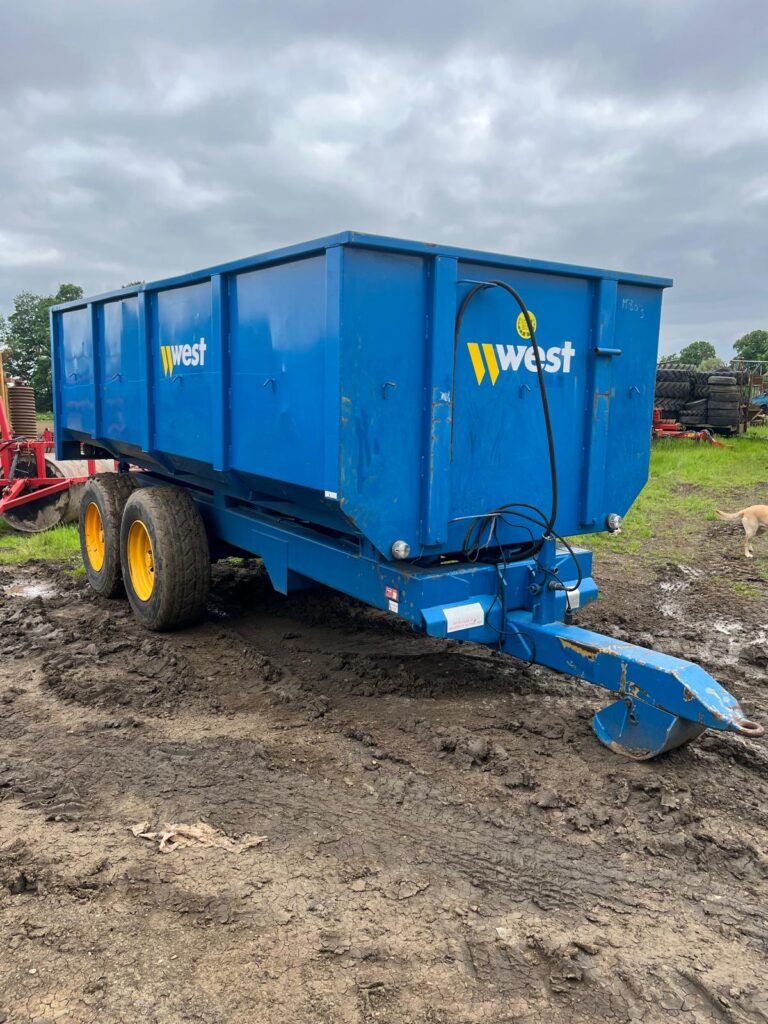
(753, 519)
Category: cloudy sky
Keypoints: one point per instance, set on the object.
(145, 139)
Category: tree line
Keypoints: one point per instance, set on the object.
(25, 340)
(752, 347)
(25, 343)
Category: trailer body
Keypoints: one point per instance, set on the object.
(325, 378)
(320, 405)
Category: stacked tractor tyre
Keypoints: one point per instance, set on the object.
(699, 398)
(674, 390)
(723, 403)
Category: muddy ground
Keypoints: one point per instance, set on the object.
(445, 839)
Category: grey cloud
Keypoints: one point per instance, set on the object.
(147, 140)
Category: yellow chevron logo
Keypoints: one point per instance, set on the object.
(478, 365)
(183, 355)
(493, 360)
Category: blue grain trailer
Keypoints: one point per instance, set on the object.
(418, 426)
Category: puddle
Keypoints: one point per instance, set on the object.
(30, 590)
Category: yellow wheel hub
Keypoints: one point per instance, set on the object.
(141, 560)
(94, 537)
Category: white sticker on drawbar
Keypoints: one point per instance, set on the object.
(573, 598)
(464, 616)
(394, 606)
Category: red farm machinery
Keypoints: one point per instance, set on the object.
(37, 491)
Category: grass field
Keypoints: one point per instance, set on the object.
(61, 543)
(687, 482)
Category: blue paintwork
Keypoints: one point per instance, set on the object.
(315, 403)
(330, 368)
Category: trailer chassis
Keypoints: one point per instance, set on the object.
(523, 609)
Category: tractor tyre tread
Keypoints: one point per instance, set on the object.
(110, 492)
(672, 375)
(672, 389)
(669, 404)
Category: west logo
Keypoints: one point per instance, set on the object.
(183, 355)
(515, 357)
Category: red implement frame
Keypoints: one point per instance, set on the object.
(675, 432)
(19, 490)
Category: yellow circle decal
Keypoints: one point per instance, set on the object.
(522, 326)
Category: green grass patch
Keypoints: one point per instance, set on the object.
(688, 480)
(738, 587)
(77, 570)
(58, 544)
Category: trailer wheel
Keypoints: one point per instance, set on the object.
(165, 559)
(101, 509)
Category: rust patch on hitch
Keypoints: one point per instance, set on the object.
(590, 653)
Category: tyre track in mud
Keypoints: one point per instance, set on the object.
(446, 839)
